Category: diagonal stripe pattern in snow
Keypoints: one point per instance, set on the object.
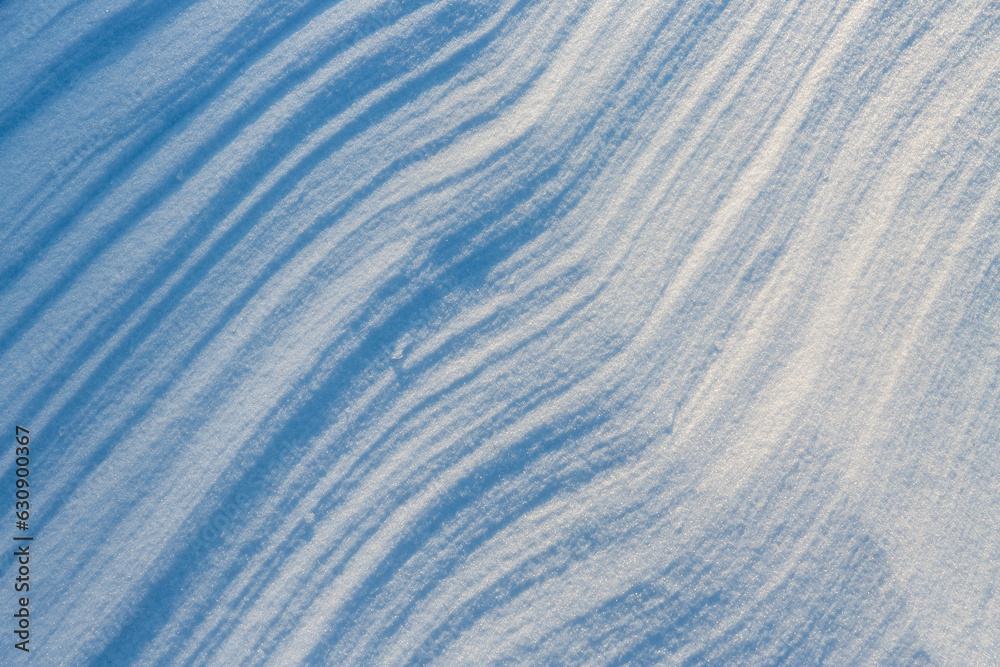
(534, 332)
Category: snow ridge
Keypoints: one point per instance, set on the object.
(467, 332)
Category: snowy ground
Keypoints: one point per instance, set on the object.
(503, 332)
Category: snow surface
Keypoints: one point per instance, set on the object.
(504, 332)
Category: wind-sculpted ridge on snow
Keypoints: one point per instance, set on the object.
(524, 331)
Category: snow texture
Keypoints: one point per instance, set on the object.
(385, 332)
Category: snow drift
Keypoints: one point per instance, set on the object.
(533, 332)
